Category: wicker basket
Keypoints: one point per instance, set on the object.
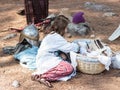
(89, 65)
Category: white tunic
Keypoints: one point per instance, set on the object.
(46, 58)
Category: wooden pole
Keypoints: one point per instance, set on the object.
(36, 10)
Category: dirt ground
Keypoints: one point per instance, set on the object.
(11, 70)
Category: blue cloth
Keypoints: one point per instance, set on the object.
(28, 56)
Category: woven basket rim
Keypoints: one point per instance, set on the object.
(93, 59)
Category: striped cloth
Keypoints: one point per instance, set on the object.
(61, 70)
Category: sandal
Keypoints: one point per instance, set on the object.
(45, 82)
(35, 77)
(41, 80)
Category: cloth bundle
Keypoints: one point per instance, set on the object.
(97, 49)
(95, 46)
(116, 61)
(78, 29)
(27, 57)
